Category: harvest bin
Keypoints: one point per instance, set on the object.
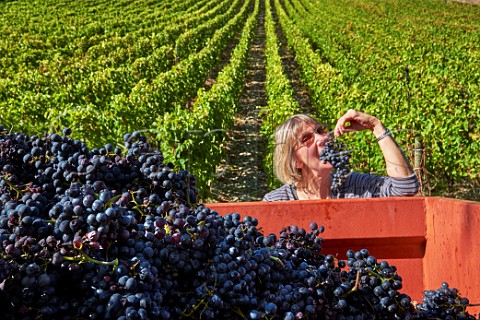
(429, 239)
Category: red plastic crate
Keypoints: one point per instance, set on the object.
(429, 239)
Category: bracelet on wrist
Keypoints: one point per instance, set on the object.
(383, 135)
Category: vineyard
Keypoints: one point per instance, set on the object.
(177, 72)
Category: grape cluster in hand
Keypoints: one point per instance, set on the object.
(337, 154)
(115, 233)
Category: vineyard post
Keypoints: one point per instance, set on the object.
(418, 160)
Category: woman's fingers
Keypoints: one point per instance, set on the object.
(352, 121)
(340, 126)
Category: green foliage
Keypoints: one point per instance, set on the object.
(111, 71)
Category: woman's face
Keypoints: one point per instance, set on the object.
(310, 143)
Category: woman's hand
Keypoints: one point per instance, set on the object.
(354, 120)
(397, 164)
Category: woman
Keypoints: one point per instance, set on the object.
(299, 143)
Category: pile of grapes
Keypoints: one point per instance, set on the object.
(115, 233)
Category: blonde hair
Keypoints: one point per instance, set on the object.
(285, 140)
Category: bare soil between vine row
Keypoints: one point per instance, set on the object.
(240, 176)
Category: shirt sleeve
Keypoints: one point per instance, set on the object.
(284, 193)
(360, 185)
(401, 187)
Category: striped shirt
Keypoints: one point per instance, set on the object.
(358, 185)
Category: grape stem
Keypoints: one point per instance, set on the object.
(11, 186)
(277, 259)
(137, 206)
(85, 258)
(355, 287)
(201, 304)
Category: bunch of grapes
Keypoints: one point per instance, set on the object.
(338, 155)
(444, 303)
(115, 233)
